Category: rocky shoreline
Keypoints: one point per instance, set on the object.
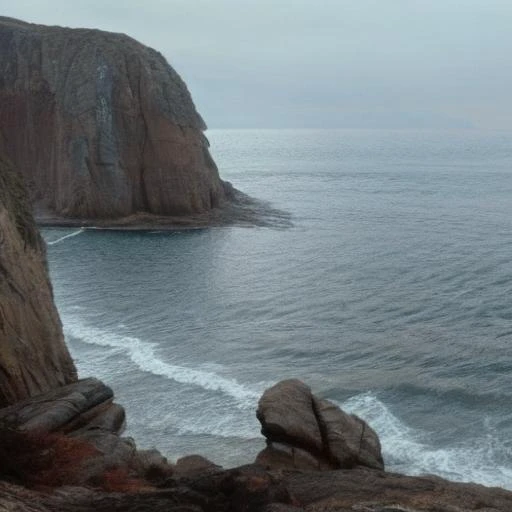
(134, 157)
(317, 458)
(241, 210)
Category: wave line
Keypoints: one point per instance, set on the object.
(75, 233)
(481, 459)
(143, 355)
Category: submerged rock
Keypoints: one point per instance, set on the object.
(101, 126)
(33, 355)
(305, 432)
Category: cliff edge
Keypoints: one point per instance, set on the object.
(101, 126)
(33, 355)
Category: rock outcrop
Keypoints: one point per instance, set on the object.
(33, 355)
(77, 407)
(82, 420)
(306, 432)
(101, 126)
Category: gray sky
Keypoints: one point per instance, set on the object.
(323, 63)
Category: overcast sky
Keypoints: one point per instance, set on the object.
(323, 63)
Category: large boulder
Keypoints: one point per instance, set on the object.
(82, 405)
(306, 432)
(33, 355)
(101, 126)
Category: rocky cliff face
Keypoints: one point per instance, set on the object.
(33, 356)
(101, 126)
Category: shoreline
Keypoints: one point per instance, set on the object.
(119, 225)
(243, 212)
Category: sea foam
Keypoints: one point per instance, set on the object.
(409, 451)
(404, 448)
(144, 355)
(62, 238)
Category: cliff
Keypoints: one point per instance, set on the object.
(33, 355)
(60, 448)
(101, 126)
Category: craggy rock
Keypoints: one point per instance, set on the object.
(101, 126)
(152, 466)
(65, 409)
(349, 440)
(84, 412)
(305, 432)
(191, 465)
(367, 490)
(250, 489)
(33, 355)
(115, 476)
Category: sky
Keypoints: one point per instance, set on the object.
(393, 64)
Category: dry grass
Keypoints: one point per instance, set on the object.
(52, 460)
(42, 459)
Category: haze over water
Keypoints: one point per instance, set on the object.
(389, 295)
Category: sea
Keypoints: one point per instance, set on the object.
(388, 290)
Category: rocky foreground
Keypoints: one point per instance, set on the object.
(62, 451)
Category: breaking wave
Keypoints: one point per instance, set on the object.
(145, 356)
(407, 450)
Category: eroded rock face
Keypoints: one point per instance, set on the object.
(100, 125)
(306, 432)
(33, 356)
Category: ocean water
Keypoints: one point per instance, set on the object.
(389, 294)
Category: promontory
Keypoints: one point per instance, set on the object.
(102, 128)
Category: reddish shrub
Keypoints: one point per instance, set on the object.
(66, 457)
(119, 480)
(42, 459)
